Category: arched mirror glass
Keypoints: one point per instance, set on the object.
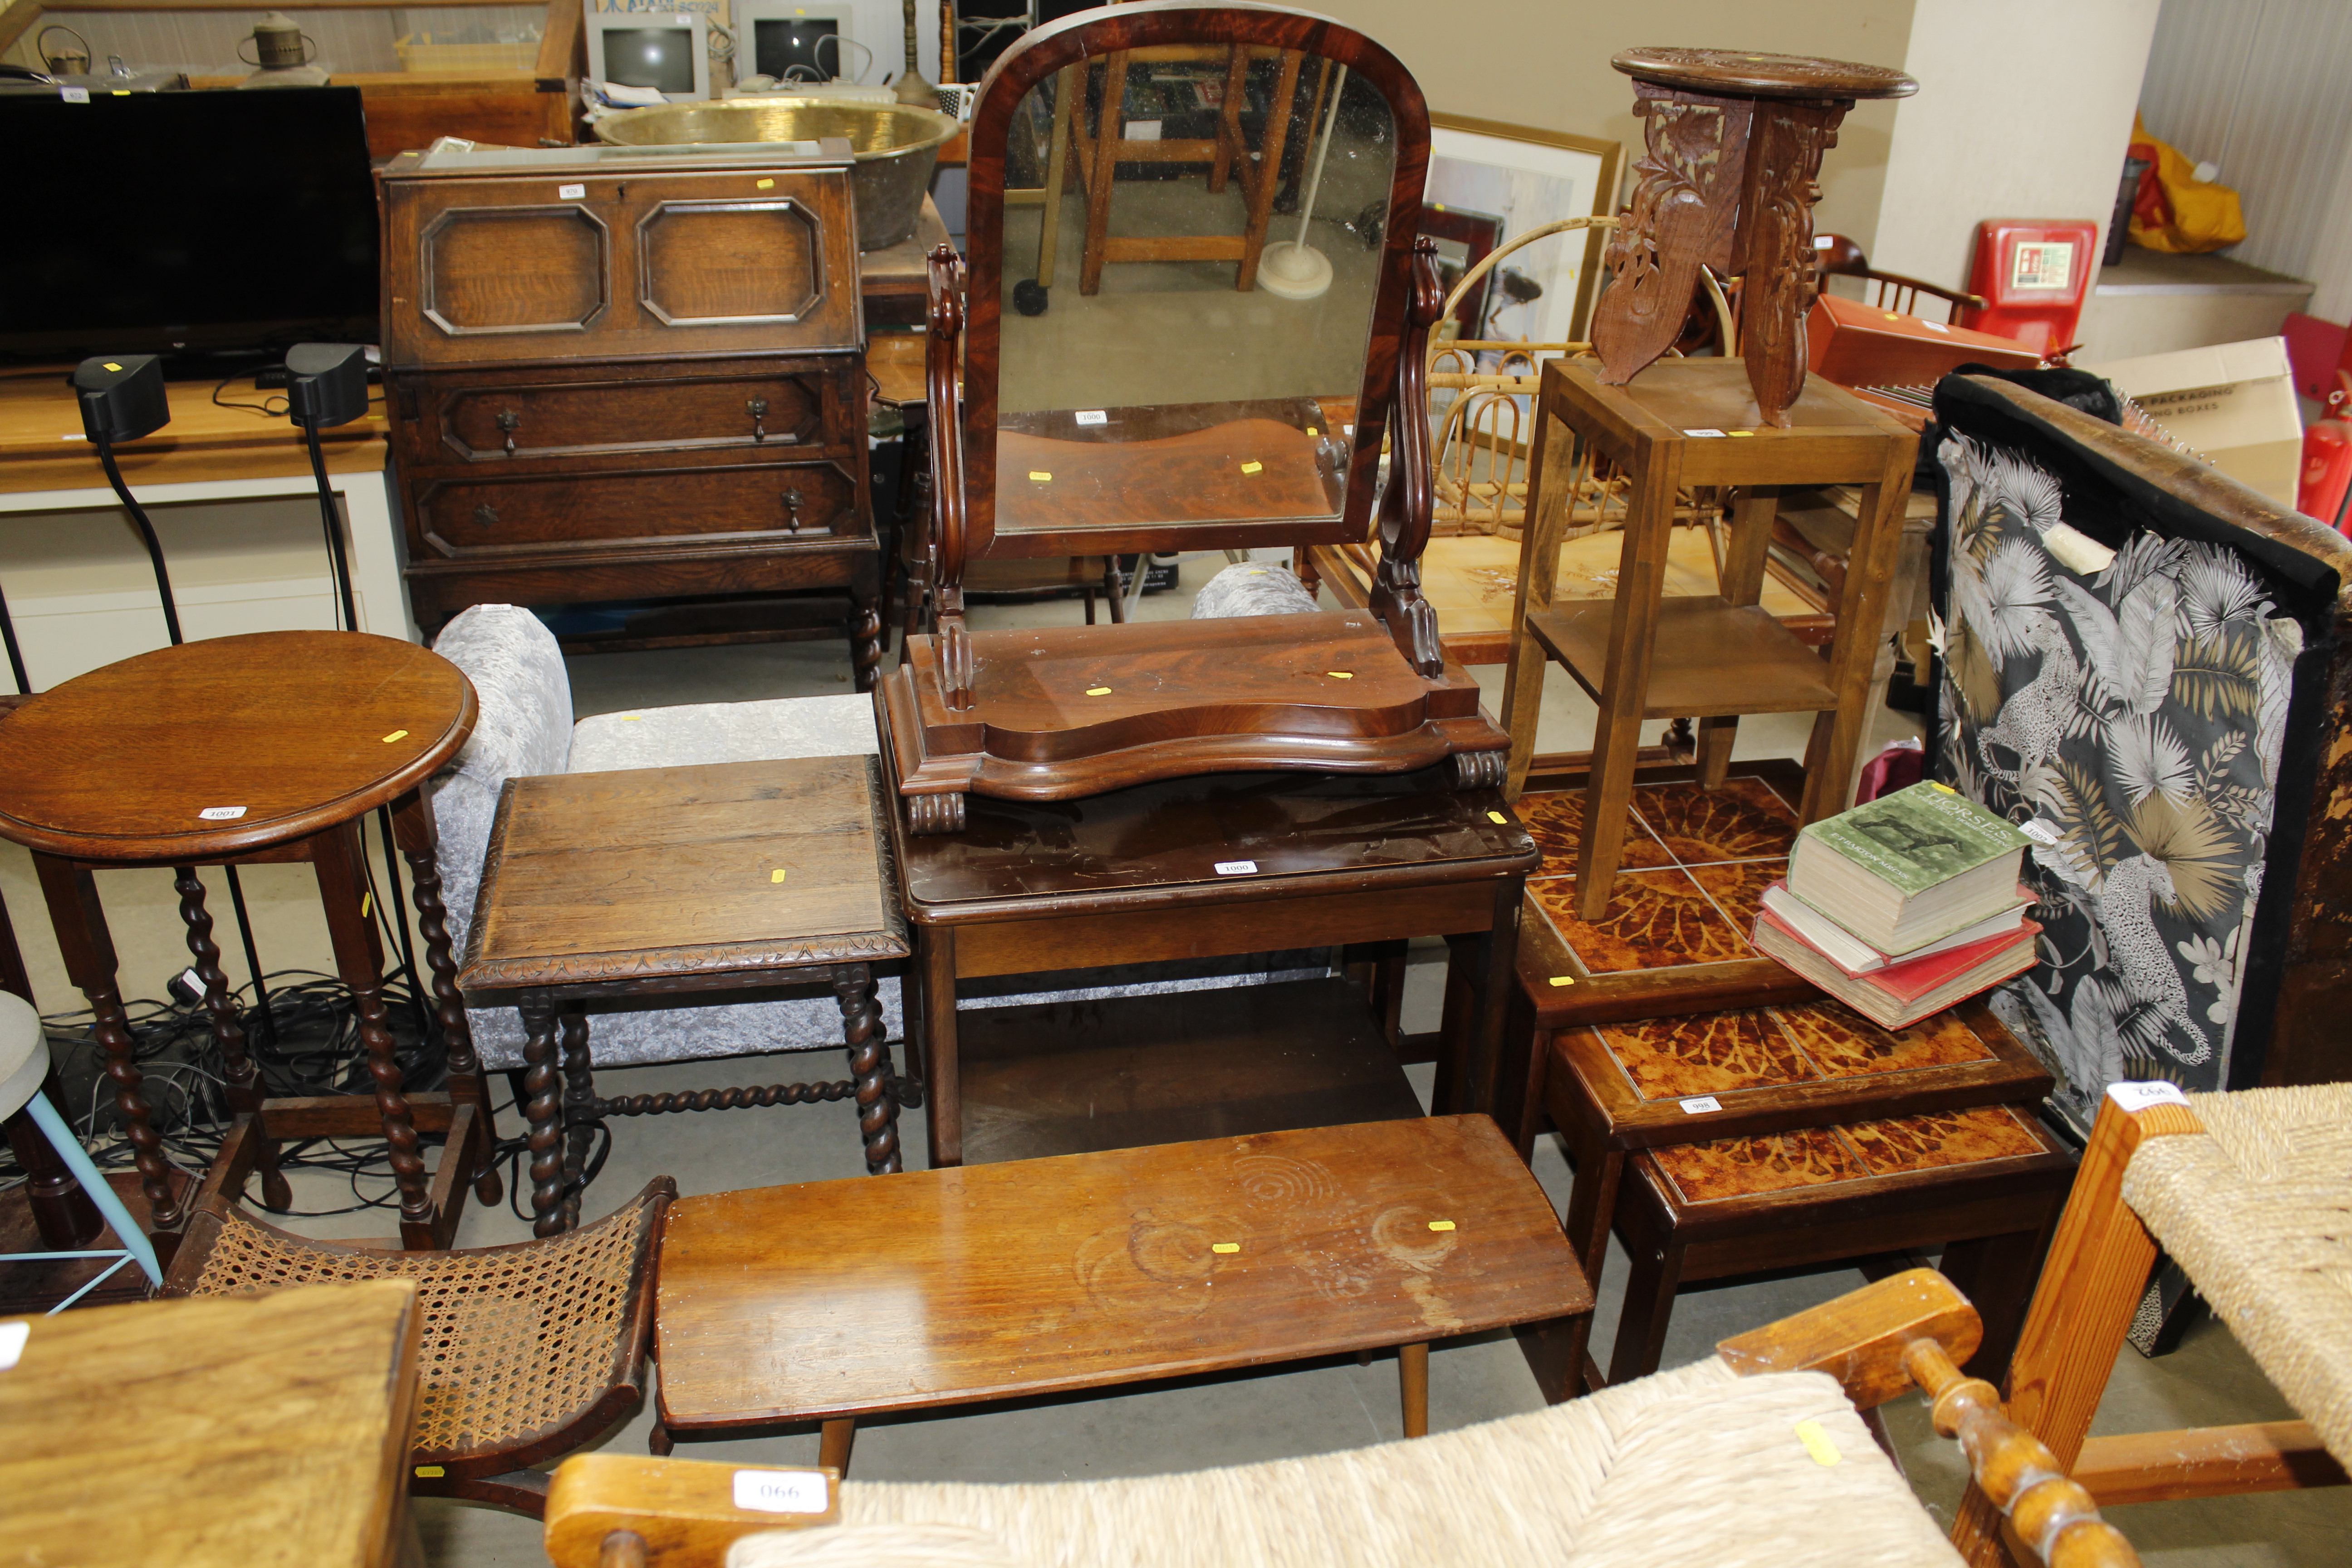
(1192, 247)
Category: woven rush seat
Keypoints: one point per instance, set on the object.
(529, 1349)
(1696, 1466)
(2258, 1210)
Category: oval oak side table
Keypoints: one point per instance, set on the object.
(269, 747)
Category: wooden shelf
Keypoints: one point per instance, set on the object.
(1712, 659)
(1041, 1079)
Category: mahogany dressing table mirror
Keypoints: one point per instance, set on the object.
(1191, 394)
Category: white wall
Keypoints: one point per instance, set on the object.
(1545, 63)
(2264, 89)
(2024, 109)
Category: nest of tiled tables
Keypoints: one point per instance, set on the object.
(1683, 1067)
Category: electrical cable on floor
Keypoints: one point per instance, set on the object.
(305, 1044)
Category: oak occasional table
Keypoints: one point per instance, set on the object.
(267, 1431)
(240, 750)
(1644, 655)
(1222, 864)
(683, 885)
(834, 1299)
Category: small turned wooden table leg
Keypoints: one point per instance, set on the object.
(88, 949)
(579, 1111)
(1412, 1380)
(419, 839)
(339, 860)
(833, 1446)
(542, 1113)
(242, 1087)
(866, 622)
(869, 1066)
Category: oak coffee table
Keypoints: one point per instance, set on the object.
(830, 1300)
(681, 886)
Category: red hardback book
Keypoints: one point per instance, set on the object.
(1903, 993)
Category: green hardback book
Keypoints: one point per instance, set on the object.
(1918, 837)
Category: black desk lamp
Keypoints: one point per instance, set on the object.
(326, 386)
(122, 399)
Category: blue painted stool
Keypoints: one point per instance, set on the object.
(24, 1063)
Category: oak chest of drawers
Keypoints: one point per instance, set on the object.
(624, 373)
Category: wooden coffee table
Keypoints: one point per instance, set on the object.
(830, 1300)
(691, 885)
(1226, 863)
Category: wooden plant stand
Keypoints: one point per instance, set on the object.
(1643, 656)
(269, 747)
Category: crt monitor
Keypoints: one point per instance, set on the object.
(811, 43)
(666, 51)
(790, 39)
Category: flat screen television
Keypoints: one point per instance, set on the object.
(219, 226)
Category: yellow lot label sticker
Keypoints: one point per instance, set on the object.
(1817, 1443)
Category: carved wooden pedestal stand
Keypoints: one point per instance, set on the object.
(1733, 144)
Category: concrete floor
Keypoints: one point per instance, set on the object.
(1197, 1422)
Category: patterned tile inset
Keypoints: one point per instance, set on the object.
(1744, 820)
(1737, 887)
(1555, 820)
(1655, 920)
(1944, 1138)
(1844, 1044)
(1712, 1052)
(1740, 1167)
(1824, 1156)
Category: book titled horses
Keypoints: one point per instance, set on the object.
(1908, 869)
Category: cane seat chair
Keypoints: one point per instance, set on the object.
(531, 1350)
(2250, 1193)
(1753, 1457)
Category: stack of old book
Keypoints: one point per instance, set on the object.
(1903, 907)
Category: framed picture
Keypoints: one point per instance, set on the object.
(1524, 178)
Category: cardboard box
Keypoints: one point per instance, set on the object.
(2233, 403)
